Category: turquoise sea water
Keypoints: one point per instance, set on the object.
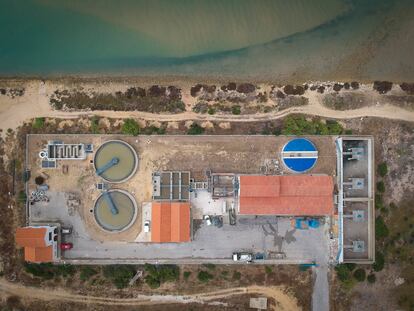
(231, 38)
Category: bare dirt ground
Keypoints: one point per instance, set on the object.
(285, 302)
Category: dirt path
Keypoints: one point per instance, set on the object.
(35, 103)
(285, 302)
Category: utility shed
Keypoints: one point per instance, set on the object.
(296, 195)
(170, 222)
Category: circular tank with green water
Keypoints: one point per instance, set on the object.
(125, 206)
(115, 161)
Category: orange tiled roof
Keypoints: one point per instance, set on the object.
(299, 195)
(170, 222)
(31, 237)
(33, 241)
(38, 254)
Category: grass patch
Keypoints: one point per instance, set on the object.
(38, 123)
(95, 125)
(268, 269)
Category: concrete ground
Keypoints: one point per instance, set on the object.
(253, 234)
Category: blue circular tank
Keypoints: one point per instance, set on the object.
(299, 155)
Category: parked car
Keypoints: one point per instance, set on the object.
(147, 226)
(66, 246)
(243, 256)
(66, 230)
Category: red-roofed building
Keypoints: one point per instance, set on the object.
(170, 222)
(294, 195)
(39, 242)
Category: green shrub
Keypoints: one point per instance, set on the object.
(378, 201)
(379, 263)
(87, 272)
(48, 271)
(350, 266)
(150, 130)
(38, 123)
(381, 186)
(348, 132)
(65, 270)
(236, 275)
(195, 129)
(298, 125)
(381, 229)
(382, 169)
(42, 270)
(130, 127)
(95, 125)
(236, 109)
(211, 111)
(187, 274)
(268, 269)
(119, 275)
(343, 272)
(204, 276)
(371, 278)
(359, 275)
(156, 275)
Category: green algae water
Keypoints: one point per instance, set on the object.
(232, 38)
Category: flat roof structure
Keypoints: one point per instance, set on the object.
(296, 195)
(170, 222)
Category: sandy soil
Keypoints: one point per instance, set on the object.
(35, 103)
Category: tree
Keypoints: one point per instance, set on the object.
(130, 127)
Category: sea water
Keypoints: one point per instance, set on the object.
(229, 38)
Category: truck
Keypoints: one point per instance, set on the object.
(243, 257)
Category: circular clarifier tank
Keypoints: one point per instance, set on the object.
(299, 155)
(115, 210)
(115, 161)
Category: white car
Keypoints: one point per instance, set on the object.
(147, 226)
